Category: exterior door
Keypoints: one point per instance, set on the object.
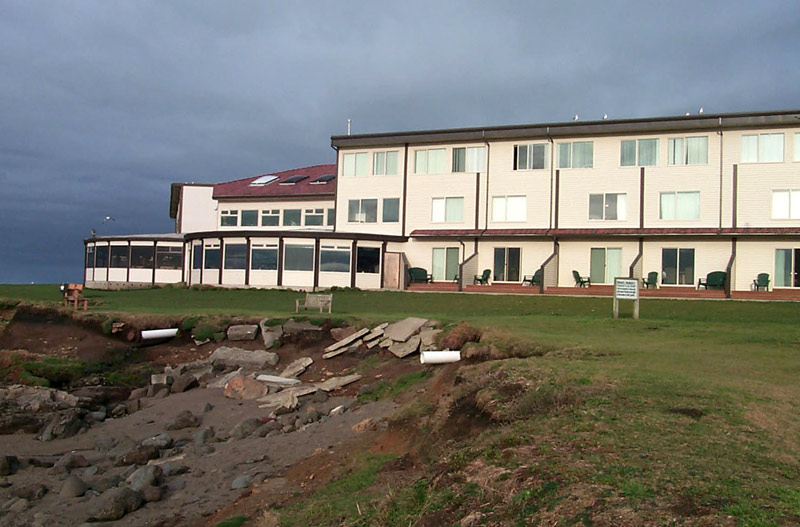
(506, 264)
(605, 265)
(787, 268)
(445, 264)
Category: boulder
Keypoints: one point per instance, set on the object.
(8, 465)
(119, 410)
(244, 388)
(73, 487)
(342, 333)
(67, 462)
(222, 381)
(16, 505)
(242, 482)
(427, 338)
(187, 381)
(31, 492)
(160, 441)
(103, 484)
(270, 334)
(64, 424)
(155, 388)
(137, 393)
(291, 327)
(97, 417)
(402, 330)
(115, 503)
(203, 436)
(144, 476)
(245, 428)
(133, 406)
(243, 332)
(139, 455)
(225, 357)
(104, 444)
(185, 419)
(151, 493)
(297, 367)
(404, 349)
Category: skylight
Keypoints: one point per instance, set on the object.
(292, 180)
(263, 180)
(323, 180)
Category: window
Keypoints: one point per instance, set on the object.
(677, 266)
(249, 218)
(362, 211)
(119, 256)
(430, 161)
(368, 260)
(607, 207)
(445, 264)
(391, 210)
(469, 159)
(315, 217)
(101, 255)
(506, 264)
(229, 218)
(785, 205)
(680, 206)
(212, 256)
(264, 257)
(579, 154)
(643, 150)
(530, 157)
(291, 217)
(197, 256)
(236, 256)
(141, 257)
(334, 259)
(89, 256)
(762, 148)
(447, 210)
(169, 257)
(355, 164)
(331, 216)
(605, 264)
(299, 258)
(508, 208)
(270, 218)
(786, 263)
(687, 150)
(384, 163)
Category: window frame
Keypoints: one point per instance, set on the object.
(265, 248)
(637, 151)
(254, 216)
(339, 250)
(758, 146)
(445, 200)
(232, 217)
(382, 168)
(271, 213)
(604, 196)
(529, 156)
(685, 150)
(286, 212)
(675, 201)
(505, 208)
(789, 201)
(427, 152)
(570, 146)
(318, 215)
(361, 210)
(357, 158)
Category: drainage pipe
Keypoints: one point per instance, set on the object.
(439, 357)
(159, 333)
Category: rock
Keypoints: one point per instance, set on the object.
(103, 484)
(67, 462)
(402, 330)
(30, 492)
(176, 371)
(160, 441)
(276, 380)
(155, 388)
(286, 399)
(88, 472)
(310, 415)
(104, 444)
(73, 487)
(224, 357)
(185, 419)
(16, 505)
(64, 424)
(119, 410)
(8, 465)
(138, 393)
(187, 381)
(222, 381)
(151, 493)
(97, 417)
(363, 426)
(203, 436)
(297, 367)
(207, 408)
(339, 410)
(368, 388)
(339, 347)
(42, 462)
(138, 455)
(243, 332)
(342, 333)
(291, 327)
(427, 338)
(161, 394)
(133, 406)
(334, 383)
(404, 349)
(269, 334)
(242, 482)
(385, 343)
(320, 396)
(144, 476)
(245, 428)
(244, 388)
(375, 334)
(115, 503)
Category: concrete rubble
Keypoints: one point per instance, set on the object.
(225, 357)
(402, 330)
(297, 367)
(242, 332)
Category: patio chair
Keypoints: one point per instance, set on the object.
(581, 281)
(418, 275)
(482, 279)
(713, 279)
(651, 280)
(762, 280)
(534, 279)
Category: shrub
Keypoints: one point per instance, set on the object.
(458, 336)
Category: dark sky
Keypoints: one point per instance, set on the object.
(104, 104)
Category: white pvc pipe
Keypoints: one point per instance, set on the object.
(439, 357)
(159, 333)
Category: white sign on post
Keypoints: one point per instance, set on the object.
(626, 289)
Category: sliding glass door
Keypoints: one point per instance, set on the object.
(605, 265)
(787, 268)
(506, 264)
(445, 264)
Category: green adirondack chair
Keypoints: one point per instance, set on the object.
(651, 280)
(762, 280)
(581, 281)
(482, 279)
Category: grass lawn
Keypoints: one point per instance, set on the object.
(696, 403)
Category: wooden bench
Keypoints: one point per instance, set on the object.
(314, 301)
(73, 294)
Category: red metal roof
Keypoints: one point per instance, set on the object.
(241, 187)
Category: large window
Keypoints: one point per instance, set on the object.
(331, 213)
(355, 164)
(677, 266)
(679, 206)
(236, 256)
(384, 163)
(119, 256)
(299, 258)
(334, 259)
(530, 157)
(368, 260)
(362, 211)
(641, 152)
(506, 264)
(391, 210)
(291, 217)
(169, 257)
(447, 210)
(605, 264)
(229, 218)
(315, 217)
(762, 148)
(141, 257)
(270, 218)
(687, 150)
(787, 268)
(212, 256)
(607, 207)
(431, 161)
(197, 257)
(89, 256)
(249, 218)
(579, 154)
(508, 208)
(264, 257)
(785, 204)
(469, 159)
(101, 256)
(445, 264)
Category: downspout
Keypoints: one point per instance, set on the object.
(552, 174)
(336, 190)
(155, 259)
(488, 156)
(405, 188)
(461, 265)
(729, 268)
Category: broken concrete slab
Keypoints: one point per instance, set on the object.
(404, 349)
(275, 380)
(285, 401)
(428, 338)
(291, 327)
(243, 332)
(270, 334)
(241, 358)
(222, 381)
(374, 334)
(373, 343)
(334, 383)
(342, 333)
(381, 326)
(385, 343)
(345, 341)
(402, 330)
(244, 388)
(352, 347)
(297, 367)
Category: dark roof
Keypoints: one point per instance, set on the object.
(675, 231)
(241, 188)
(689, 123)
